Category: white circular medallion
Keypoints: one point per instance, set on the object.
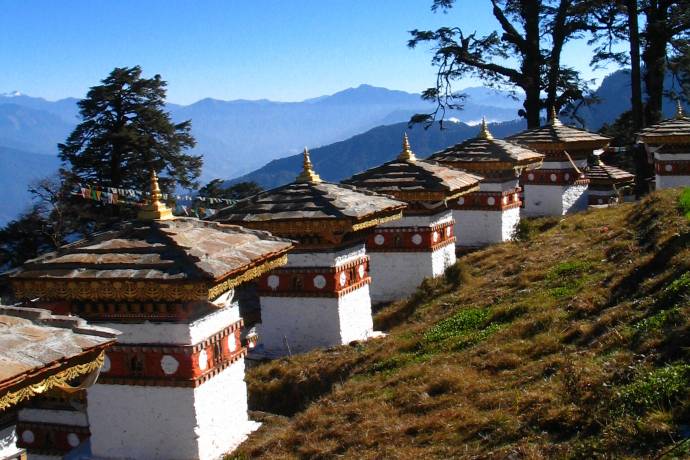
(435, 237)
(449, 231)
(28, 436)
(232, 343)
(461, 201)
(530, 176)
(106, 364)
(320, 282)
(600, 201)
(203, 360)
(553, 177)
(668, 168)
(273, 282)
(73, 440)
(169, 364)
(379, 239)
(491, 201)
(417, 239)
(361, 270)
(343, 279)
(566, 176)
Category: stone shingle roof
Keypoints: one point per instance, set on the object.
(309, 200)
(672, 130)
(484, 149)
(183, 249)
(557, 133)
(36, 345)
(604, 174)
(408, 174)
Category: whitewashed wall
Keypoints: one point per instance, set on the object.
(8, 442)
(312, 322)
(554, 200)
(146, 422)
(396, 275)
(663, 182)
(478, 227)
(326, 259)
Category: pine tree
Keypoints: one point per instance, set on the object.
(126, 132)
(534, 32)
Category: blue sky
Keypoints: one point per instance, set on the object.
(285, 50)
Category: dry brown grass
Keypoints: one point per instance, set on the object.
(535, 349)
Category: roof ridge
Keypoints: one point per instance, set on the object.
(45, 317)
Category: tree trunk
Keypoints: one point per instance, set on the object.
(558, 37)
(654, 57)
(635, 75)
(531, 64)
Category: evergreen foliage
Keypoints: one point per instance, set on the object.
(125, 133)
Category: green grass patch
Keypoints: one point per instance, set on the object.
(657, 321)
(462, 330)
(468, 320)
(679, 289)
(567, 278)
(392, 365)
(659, 388)
(684, 202)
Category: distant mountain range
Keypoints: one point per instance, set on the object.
(614, 97)
(18, 169)
(236, 137)
(233, 136)
(342, 159)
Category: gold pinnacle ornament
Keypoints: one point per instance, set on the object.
(679, 110)
(484, 132)
(308, 174)
(155, 209)
(406, 154)
(554, 117)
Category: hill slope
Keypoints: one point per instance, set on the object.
(17, 170)
(569, 344)
(338, 161)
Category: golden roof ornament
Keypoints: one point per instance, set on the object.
(554, 117)
(406, 154)
(308, 174)
(484, 132)
(155, 209)
(679, 110)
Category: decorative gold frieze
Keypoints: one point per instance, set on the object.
(108, 289)
(60, 381)
(217, 290)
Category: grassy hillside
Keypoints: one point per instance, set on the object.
(571, 343)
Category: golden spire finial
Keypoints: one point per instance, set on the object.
(554, 117)
(406, 154)
(679, 110)
(308, 174)
(155, 209)
(484, 132)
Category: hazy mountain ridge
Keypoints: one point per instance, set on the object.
(342, 159)
(18, 169)
(236, 137)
